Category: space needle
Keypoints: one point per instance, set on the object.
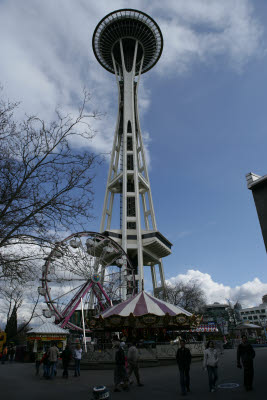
(129, 43)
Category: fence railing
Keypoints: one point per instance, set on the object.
(147, 351)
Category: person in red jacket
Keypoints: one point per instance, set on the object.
(46, 364)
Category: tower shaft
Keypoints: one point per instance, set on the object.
(128, 175)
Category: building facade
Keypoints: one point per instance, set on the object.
(255, 315)
(258, 185)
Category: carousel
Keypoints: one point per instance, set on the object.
(142, 317)
(151, 322)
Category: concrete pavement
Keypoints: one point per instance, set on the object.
(17, 382)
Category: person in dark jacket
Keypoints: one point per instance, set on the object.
(246, 354)
(66, 358)
(183, 358)
(120, 374)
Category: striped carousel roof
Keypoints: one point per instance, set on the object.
(144, 303)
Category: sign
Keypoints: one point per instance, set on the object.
(228, 385)
(115, 320)
(46, 338)
(180, 319)
(149, 319)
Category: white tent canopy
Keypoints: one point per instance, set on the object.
(49, 328)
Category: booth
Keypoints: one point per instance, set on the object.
(40, 338)
(250, 330)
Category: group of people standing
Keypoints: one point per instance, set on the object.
(126, 363)
(245, 357)
(8, 353)
(49, 360)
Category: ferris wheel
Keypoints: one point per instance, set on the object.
(86, 272)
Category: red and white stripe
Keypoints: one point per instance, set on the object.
(144, 303)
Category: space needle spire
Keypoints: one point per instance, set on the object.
(128, 43)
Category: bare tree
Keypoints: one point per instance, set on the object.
(234, 312)
(19, 301)
(45, 184)
(189, 296)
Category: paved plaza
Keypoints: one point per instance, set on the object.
(17, 381)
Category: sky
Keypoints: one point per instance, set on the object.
(203, 118)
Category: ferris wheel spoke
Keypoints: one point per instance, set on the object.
(66, 293)
(60, 280)
(65, 266)
(82, 260)
(75, 266)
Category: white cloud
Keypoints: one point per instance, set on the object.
(249, 294)
(146, 140)
(46, 54)
(200, 30)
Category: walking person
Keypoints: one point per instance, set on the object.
(38, 360)
(120, 374)
(66, 358)
(77, 359)
(183, 358)
(53, 354)
(246, 353)
(211, 364)
(133, 363)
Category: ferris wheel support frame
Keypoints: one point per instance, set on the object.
(94, 283)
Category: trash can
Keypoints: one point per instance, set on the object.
(100, 393)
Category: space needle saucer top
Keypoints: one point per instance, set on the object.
(128, 26)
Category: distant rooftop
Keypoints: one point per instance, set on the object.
(217, 305)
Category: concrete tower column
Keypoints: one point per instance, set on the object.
(128, 43)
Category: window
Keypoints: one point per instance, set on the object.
(130, 186)
(131, 225)
(129, 127)
(257, 311)
(242, 313)
(255, 317)
(130, 162)
(129, 143)
(130, 206)
(250, 318)
(263, 311)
